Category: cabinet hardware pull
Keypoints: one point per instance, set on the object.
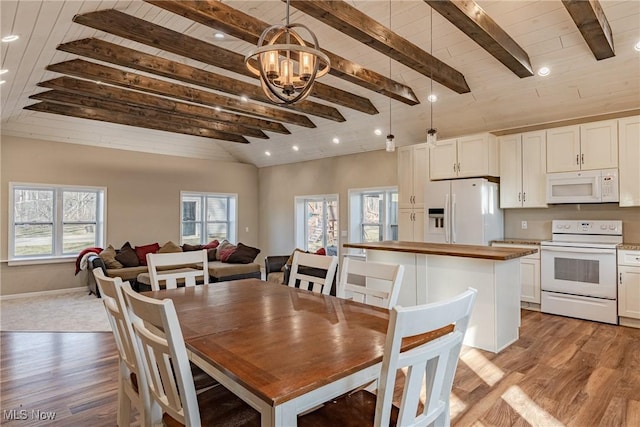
(577, 159)
(582, 158)
(520, 196)
(524, 197)
(454, 167)
(621, 278)
(458, 167)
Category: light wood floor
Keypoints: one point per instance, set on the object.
(561, 372)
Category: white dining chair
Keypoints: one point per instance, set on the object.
(172, 277)
(434, 361)
(312, 283)
(369, 282)
(174, 401)
(132, 387)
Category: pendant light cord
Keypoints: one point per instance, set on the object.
(389, 70)
(431, 53)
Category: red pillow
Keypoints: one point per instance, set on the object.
(142, 251)
(211, 245)
(226, 253)
(321, 251)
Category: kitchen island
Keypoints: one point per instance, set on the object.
(438, 271)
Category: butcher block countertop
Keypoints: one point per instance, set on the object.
(464, 251)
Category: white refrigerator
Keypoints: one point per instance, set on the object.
(463, 211)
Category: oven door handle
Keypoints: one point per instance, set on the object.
(578, 250)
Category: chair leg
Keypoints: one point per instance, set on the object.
(124, 404)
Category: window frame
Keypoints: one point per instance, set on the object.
(231, 214)
(300, 217)
(356, 224)
(57, 222)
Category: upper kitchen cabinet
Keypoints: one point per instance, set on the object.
(584, 147)
(413, 173)
(523, 170)
(629, 171)
(465, 157)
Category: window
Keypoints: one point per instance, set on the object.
(317, 223)
(207, 216)
(49, 221)
(373, 214)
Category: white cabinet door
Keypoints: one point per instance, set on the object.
(534, 177)
(420, 174)
(510, 171)
(563, 149)
(443, 160)
(405, 225)
(405, 177)
(418, 225)
(629, 291)
(599, 145)
(473, 156)
(629, 152)
(530, 280)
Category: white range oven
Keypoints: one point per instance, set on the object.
(578, 270)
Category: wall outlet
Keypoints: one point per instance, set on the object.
(523, 225)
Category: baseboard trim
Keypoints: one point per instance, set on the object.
(41, 293)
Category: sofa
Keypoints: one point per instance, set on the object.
(226, 262)
(278, 268)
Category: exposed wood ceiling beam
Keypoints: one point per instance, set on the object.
(65, 98)
(145, 32)
(222, 17)
(140, 99)
(594, 26)
(96, 72)
(130, 58)
(472, 20)
(352, 22)
(125, 119)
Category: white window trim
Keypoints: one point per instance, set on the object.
(233, 227)
(101, 221)
(299, 228)
(355, 221)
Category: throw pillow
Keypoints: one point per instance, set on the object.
(211, 245)
(222, 246)
(127, 256)
(321, 251)
(108, 256)
(243, 255)
(211, 254)
(142, 251)
(290, 260)
(188, 248)
(226, 252)
(169, 247)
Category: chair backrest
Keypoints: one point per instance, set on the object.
(180, 260)
(118, 315)
(164, 355)
(323, 262)
(435, 361)
(380, 282)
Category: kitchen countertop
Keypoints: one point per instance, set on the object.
(464, 251)
(629, 246)
(516, 241)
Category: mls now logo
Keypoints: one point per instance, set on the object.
(23, 414)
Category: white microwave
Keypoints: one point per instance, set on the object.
(595, 186)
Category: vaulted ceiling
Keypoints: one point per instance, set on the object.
(153, 76)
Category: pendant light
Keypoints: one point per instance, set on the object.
(390, 145)
(432, 133)
(287, 70)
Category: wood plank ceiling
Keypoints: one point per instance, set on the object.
(155, 65)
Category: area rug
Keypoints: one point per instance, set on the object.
(72, 311)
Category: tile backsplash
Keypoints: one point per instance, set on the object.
(539, 220)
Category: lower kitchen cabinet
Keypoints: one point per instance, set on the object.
(529, 276)
(629, 288)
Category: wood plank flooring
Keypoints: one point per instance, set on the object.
(562, 371)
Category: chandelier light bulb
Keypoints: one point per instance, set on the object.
(432, 98)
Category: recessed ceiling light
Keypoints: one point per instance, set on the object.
(637, 47)
(378, 132)
(10, 38)
(267, 153)
(219, 35)
(295, 148)
(335, 141)
(217, 108)
(3, 71)
(244, 98)
(432, 98)
(2, 82)
(544, 71)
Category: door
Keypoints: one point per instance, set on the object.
(467, 213)
(436, 212)
(579, 271)
(511, 171)
(420, 174)
(534, 177)
(563, 149)
(473, 156)
(443, 159)
(629, 153)
(530, 280)
(405, 177)
(405, 225)
(599, 145)
(629, 292)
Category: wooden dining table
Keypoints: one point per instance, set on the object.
(282, 350)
